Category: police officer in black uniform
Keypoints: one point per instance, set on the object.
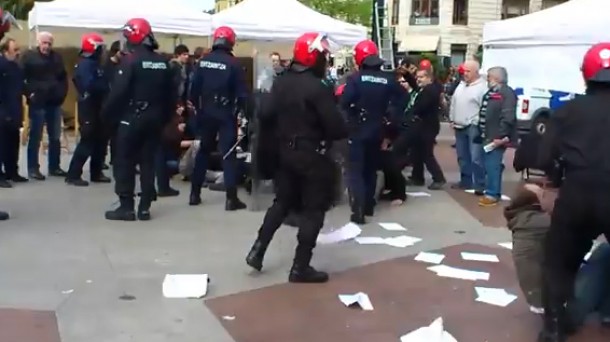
(576, 144)
(305, 114)
(143, 96)
(92, 88)
(366, 98)
(6, 21)
(219, 92)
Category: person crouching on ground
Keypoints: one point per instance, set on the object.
(528, 218)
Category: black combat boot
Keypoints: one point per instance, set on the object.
(125, 212)
(195, 197)
(4, 216)
(555, 327)
(256, 255)
(232, 202)
(302, 272)
(76, 181)
(100, 178)
(144, 208)
(168, 192)
(357, 214)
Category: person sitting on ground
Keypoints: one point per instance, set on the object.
(528, 218)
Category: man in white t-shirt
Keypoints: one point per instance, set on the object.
(464, 116)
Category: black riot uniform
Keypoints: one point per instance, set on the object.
(6, 20)
(92, 88)
(576, 145)
(143, 96)
(304, 111)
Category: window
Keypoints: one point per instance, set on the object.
(514, 8)
(458, 53)
(460, 12)
(395, 12)
(424, 12)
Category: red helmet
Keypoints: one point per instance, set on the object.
(224, 36)
(308, 47)
(137, 31)
(425, 64)
(596, 63)
(90, 44)
(363, 50)
(461, 69)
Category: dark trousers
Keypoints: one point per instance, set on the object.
(304, 183)
(422, 154)
(137, 143)
(39, 116)
(362, 170)
(9, 148)
(395, 181)
(91, 145)
(579, 216)
(162, 170)
(226, 131)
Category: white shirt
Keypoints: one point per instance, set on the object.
(466, 102)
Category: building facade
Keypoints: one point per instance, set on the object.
(220, 5)
(452, 27)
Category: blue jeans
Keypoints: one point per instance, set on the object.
(494, 167)
(470, 158)
(39, 116)
(591, 290)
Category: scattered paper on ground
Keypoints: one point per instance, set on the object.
(433, 258)
(185, 285)
(360, 298)
(493, 296)
(392, 226)
(504, 197)
(507, 245)
(67, 291)
(458, 273)
(347, 232)
(435, 332)
(418, 194)
(401, 241)
(480, 257)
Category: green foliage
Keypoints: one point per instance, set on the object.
(352, 11)
(19, 8)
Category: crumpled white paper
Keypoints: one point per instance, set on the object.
(435, 332)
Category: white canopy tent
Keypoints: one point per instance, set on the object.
(545, 49)
(284, 20)
(166, 17)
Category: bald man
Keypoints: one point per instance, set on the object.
(464, 115)
(46, 87)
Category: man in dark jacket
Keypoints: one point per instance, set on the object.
(11, 112)
(497, 123)
(110, 69)
(423, 125)
(46, 87)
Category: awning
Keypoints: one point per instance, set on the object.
(419, 43)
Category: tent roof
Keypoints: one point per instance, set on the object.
(284, 20)
(167, 17)
(576, 22)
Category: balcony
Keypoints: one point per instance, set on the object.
(423, 21)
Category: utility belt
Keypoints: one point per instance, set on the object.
(217, 99)
(306, 144)
(138, 107)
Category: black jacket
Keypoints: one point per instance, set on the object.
(426, 102)
(578, 135)
(110, 69)
(45, 78)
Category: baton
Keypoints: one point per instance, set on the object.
(241, 137)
